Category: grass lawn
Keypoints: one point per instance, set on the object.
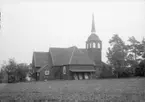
(106, 90)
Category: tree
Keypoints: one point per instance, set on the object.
(106, 71)
(135, 53)
(117, 54)
(1, 76)
(10, 67)
(32, 73)
(140, 70)
(16, 71)
(22, 70)
(143, 48)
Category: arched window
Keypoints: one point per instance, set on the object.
(94, 45)
(90, 45)
(99, 45)
(64, 70)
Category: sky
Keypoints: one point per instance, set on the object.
(29, 26)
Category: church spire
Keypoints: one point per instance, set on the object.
(93, 24)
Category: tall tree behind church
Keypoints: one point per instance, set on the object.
(134, 51)
(117, 53)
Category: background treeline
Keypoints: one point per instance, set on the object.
(14, 72)
(124, 59)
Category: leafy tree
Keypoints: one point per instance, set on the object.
(140, 70)
(1, 76)
(106, 71)
(10, 67)
(22, 70)
(117, 54)
(136, 53)
(16, 72)
(143, 48)
(32, 72)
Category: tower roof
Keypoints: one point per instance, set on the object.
(93, 24)
(93, 35)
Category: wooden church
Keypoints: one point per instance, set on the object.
(70, 63)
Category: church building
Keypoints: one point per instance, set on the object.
(70, 63)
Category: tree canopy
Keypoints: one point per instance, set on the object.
(16, 71)
(125, 57)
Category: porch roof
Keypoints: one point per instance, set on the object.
(82, 69)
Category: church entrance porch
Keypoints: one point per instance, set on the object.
(82, 75)
(82, 72)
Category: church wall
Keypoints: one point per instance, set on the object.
(98, 71)
(42, 75)
(57, 73)
(95, 55)
(68, 75)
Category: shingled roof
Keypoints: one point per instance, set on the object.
(79, 57)
(82, 69)
(62, 56)
(40, 58)
(72, 55)
(84, 50)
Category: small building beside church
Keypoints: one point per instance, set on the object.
(70, 63)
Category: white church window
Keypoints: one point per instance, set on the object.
(94, 45)
(90, 45)
(99, 45)
(47, 72)
(64, 69)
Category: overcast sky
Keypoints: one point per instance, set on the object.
(36, 26)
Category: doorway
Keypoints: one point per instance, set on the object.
(82, 75)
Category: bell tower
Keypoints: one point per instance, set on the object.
(94, 45)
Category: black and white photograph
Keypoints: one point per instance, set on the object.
(72, 51)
